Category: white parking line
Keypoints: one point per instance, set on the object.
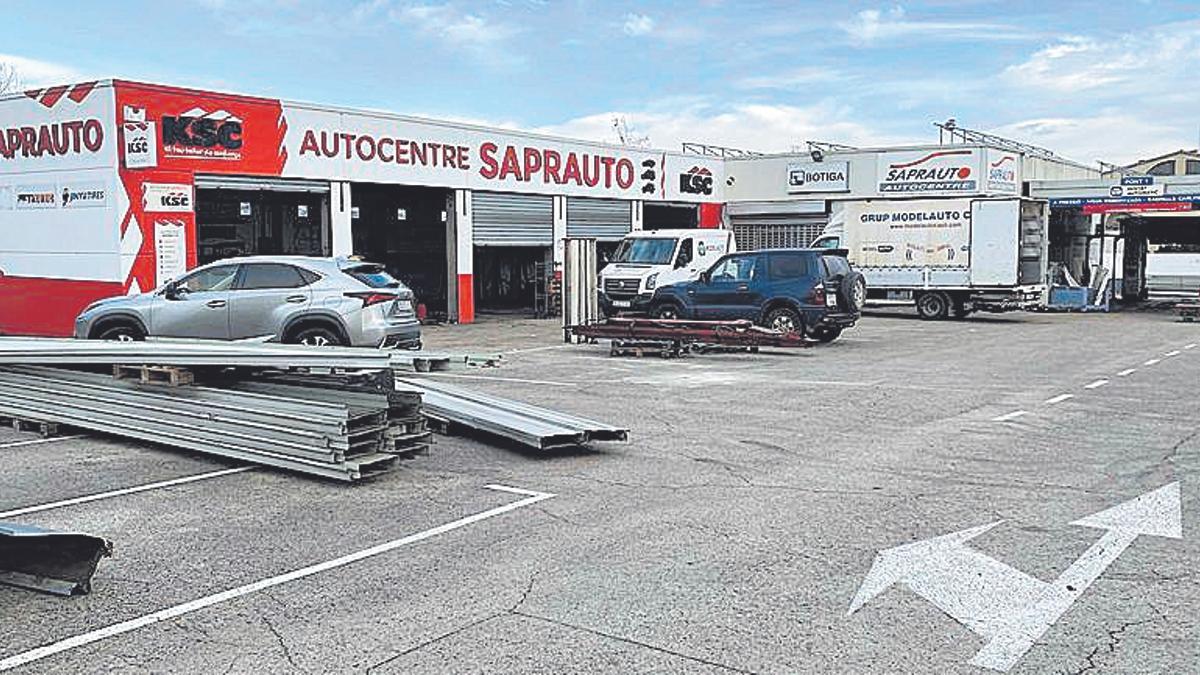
(39, 441)
(122, 492)
(225, 596)
(1127, 371)
(1174, 352)
(1096, 385)
(1010, 416)
(1058, 399)
(1151, 362)
(1190, 346)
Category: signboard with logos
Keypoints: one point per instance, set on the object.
(58, 129)
(1137, 189)
(938, 171)
(167, 198)
(805, 177)
(909, 233)
(1002, 171)
(170, 249)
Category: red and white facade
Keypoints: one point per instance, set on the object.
(97, 181)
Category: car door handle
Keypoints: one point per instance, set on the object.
(296, 299)
(215, 304)
(743, 287)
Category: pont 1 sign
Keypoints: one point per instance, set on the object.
(805, 177)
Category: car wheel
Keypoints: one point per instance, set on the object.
(317, 336)
(665, 311)
(856, 294)
(785, 320)
(933, 306)
(827, 334)
(122, 332)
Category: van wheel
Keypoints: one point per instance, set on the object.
(933, 306)
(122, 332)
(665, 311)
(785, 320)
(317, 336)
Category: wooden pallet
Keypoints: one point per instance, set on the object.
(666, 349)
(44, 429)
(171, 376)
(1188, 311)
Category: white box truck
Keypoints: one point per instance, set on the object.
(647, 259)
(947, 256)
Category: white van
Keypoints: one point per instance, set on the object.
(647, 259)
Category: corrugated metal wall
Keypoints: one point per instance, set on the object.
(759, 225)
(602, 219)
(502, 219)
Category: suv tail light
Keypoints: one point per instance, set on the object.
(372, 297)
(819, 294)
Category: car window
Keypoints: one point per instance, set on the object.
(837, 265)
(374, 276)
(270, 275)
(787, 266)
(213, 279)
(737, 268)
(645, 251)
(310, 277)
(685, 253)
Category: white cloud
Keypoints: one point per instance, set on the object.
(35, 74)
(1112, 136)
(871, 26)
(638, 24)
(473, 33)
(747, 126)
(791, 79)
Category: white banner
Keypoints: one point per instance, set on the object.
(818, 177)
(356, 147)
(909, 233)
(941, 171)
(167, 198)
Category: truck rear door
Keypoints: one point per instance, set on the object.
(995, 240)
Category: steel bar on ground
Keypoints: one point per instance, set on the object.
(735, 333)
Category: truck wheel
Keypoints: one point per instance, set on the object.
(933, 306)
(785, 320)
(666, 311)
(827, 334)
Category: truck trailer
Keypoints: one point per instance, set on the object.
(947, 256)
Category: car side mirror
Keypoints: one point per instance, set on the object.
(174, 291)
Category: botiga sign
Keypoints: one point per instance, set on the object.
(949, 171)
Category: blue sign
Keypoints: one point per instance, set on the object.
(1081, 201)
(1137, 180)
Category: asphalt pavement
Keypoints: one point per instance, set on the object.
(739, 530)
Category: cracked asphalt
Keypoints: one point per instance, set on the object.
(729, 535)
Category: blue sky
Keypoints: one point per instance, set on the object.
(1091, 80)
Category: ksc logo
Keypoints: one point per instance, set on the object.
(696, 181)
(202, 135)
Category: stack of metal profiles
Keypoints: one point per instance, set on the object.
(187, 353)
(424, 362)
(525, 423)
(335, 434)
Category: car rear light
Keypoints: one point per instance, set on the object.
(819, 294)
(372, 297)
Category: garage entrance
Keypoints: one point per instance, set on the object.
(513, 236)
(656, 216)
(246, 216)
(404, 228)
(1159, 255)
(762, 225)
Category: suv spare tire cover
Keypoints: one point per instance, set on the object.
(845, 290)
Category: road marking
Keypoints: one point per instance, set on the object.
(39, 441)
(1151, 362)
(1096, 385)
(1174, 352)
(1190, 346)
(1058, 399)
(177, 611)
(1010, 416)
(1005, 606)
(125, 491)
(501, 379)
(1127, 371)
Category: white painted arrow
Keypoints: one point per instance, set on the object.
(1009, 608)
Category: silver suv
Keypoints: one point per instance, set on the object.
(314, 301)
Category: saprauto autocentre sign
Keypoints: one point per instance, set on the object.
(923, 172)
(383, 149)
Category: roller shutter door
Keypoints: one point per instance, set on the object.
(512, 220)
(602, 219)
(216, 182)
(759, 225)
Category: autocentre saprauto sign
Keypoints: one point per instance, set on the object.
(938, 171)
(352, 146)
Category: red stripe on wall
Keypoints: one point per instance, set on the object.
(466, 298)
(710, 215)
(81, 91)
(52, 95)
(47, 307)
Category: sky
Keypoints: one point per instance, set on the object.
(1097, 80)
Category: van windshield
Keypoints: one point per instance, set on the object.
(645, 251)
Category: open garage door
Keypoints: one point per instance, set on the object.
(670, 216)
(513, 236)
(759, 225)
(237, 215)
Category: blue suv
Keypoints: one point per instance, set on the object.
(810, 291)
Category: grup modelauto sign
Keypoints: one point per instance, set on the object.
(818, 177)
(947, 171)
